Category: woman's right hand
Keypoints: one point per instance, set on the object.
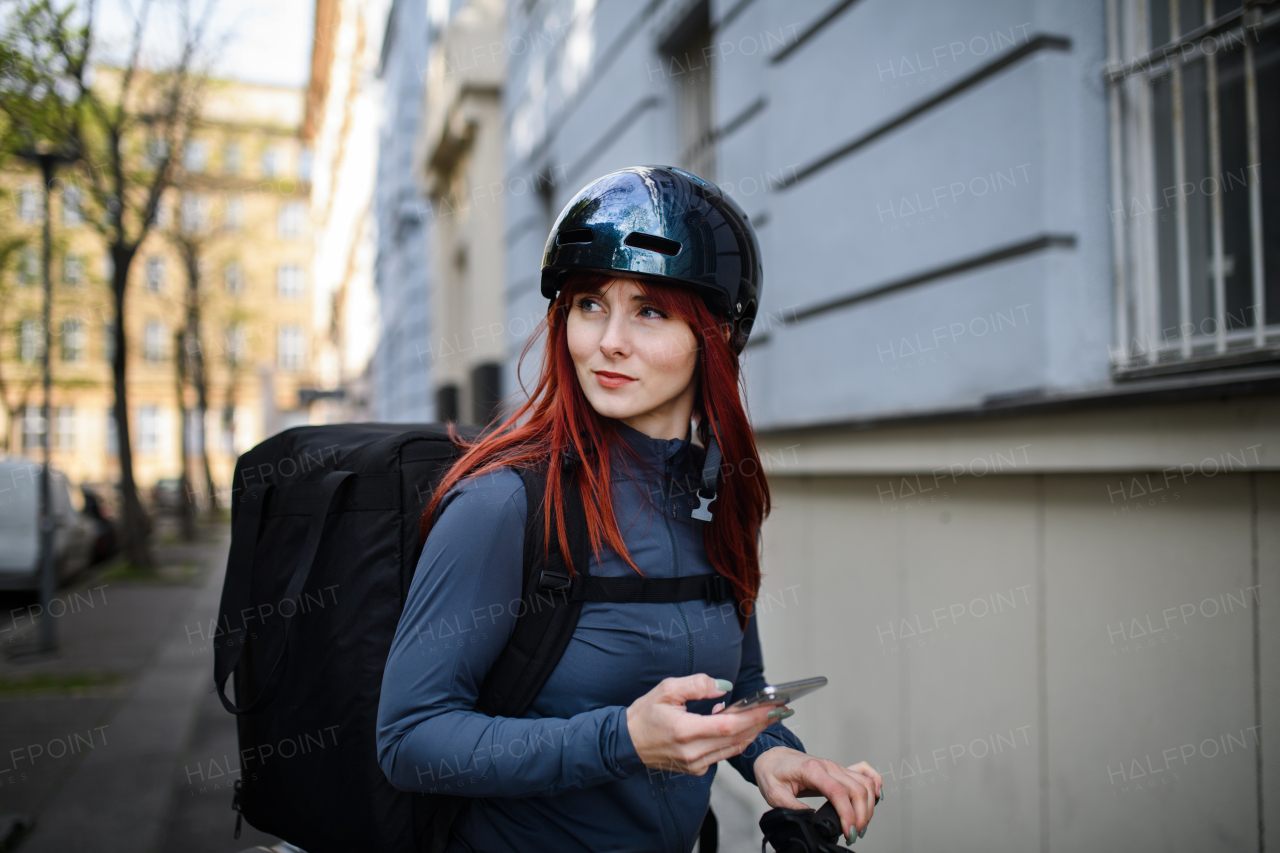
(667, 737)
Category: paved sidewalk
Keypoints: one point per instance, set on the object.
(95, 753)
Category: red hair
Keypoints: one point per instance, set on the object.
(557, 416)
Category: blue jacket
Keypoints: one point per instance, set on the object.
(566, 776)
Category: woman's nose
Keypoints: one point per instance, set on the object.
(615, 338)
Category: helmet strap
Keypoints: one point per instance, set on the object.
(710, 473)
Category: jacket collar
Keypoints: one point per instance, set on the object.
(657, 451)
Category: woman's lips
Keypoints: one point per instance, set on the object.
(612, 380)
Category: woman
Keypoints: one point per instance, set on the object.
(653, 277)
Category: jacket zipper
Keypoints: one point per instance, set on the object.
(667, 503)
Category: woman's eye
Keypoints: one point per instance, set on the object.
(586, 303)
(653, 313)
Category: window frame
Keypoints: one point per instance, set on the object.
(1141, 346)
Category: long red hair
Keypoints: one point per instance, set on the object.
(557, 416)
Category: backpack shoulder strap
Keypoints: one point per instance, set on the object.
(548, 614)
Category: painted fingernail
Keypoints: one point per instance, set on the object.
(864, 832)
(848, 838)
(721, 684)
(779, 714)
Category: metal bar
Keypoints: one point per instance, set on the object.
(1215, 168)
(1141, 152)
(1118, 243)
(1255, 187)
(1145, 63)
(1180, 178)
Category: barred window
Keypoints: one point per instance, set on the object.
(1195, 216)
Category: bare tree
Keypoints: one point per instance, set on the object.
(131, 123)
(191, 234)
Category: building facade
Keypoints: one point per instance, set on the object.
(1014, 379)
(241, 202)
(401, 383)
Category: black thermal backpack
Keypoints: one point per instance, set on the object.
(324, 544)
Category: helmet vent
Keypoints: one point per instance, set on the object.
(652, 243)
(575, 235)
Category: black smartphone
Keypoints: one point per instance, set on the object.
(778, 694)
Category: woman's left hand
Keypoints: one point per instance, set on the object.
(784, 774)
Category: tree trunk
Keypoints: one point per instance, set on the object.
(185, 507)
(136, 523)
(195, 348)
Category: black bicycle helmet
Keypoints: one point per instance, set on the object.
(667, 225)
(664, 224)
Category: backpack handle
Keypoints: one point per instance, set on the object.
(237, 588)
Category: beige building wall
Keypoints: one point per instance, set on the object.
(1001, 604)
(250, 187)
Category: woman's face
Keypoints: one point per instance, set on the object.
(634, 363)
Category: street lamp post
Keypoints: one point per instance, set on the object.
(48, 160)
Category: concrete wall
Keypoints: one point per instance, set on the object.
(1031, 665)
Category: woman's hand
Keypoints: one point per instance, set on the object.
(667, 737)
(784, 774)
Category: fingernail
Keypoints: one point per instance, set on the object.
(848, 838)
(864, 832)
(779, 714)
(721, 684)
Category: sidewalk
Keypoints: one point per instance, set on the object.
(95, 738)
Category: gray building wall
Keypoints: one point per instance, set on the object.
(400, 375)
(931, 385)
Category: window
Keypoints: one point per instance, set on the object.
(689, 51)
(1195, 219)
(195, 156)
(272, 162)
(290, 346)
(30, 340)
(229, 431)
(234, 220)
(72, 213)
(291, 220)
(30, 204)
(233, 277)
(157, 150)
(153, 341)
(113, 434)
(155, 274)
(195, 212)
(72, 270)
(65, 425)
(235, 342)
(231, 158)
(148, 429)
(28, 267)
(289, 282)
(32, 428)
(305, 160)
(73, 340)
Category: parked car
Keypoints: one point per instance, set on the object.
(74, 533)
(166, 494)
(99, 508)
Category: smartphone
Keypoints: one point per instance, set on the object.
(777, 694)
